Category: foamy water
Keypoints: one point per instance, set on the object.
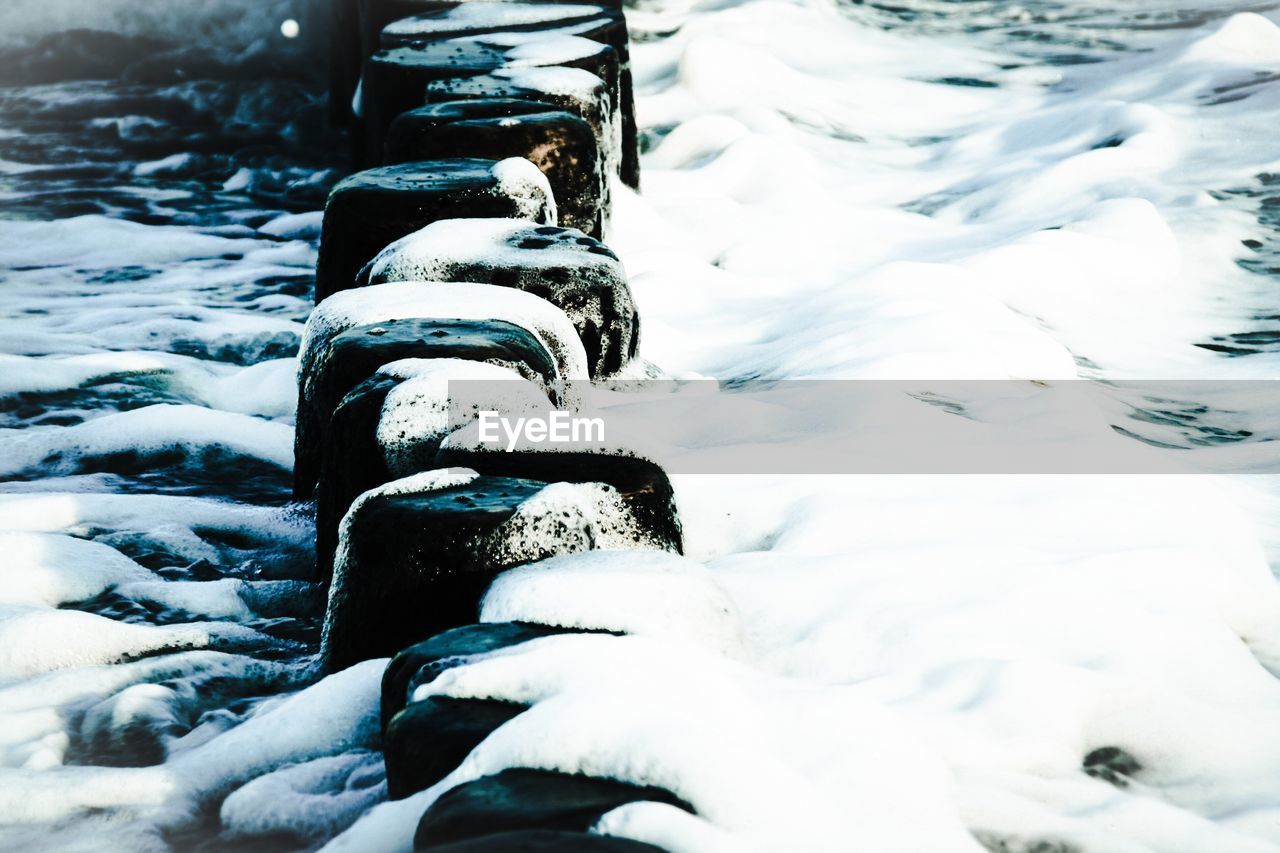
(920, 190)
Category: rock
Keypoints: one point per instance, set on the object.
(577, 274)
(391, 426)
(395, 79)
(570, 89)
(641, 483)
(422, 662)
(607, 26)
(415, 555)
(384, 303)
(527, 799)
(545, 841)
(353, 356)
(429, 739)
(559, 143)
(370, 209)
(1112, 764)
(343, 451)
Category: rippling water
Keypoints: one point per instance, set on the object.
(156, 272)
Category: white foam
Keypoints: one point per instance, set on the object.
(668, 828)
(539, 48)
(573, 82)
(436, 249)
(316, 799)
(1246, 39)
(101, 241)
(522, 182)
(417, 411)
(489, 15)
(193, 431)
(87, 640)
(567, 518)
(48, 569)
(82, 514)
(339, 714)
(218, 599)
(641, 592)
(265, 389)
(652, 713)
(259, 389)
(172, 163)
(295, 226)
(122, 292)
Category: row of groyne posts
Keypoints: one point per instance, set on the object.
(470, 248)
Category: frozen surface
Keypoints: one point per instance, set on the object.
(915, 190)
